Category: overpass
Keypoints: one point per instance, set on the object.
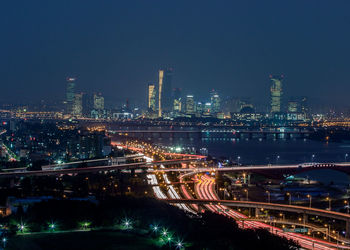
(305, 211)
(268, 169)
(224, 132)
(47, 172)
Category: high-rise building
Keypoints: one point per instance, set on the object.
(70, 94)
(78, 105)
(190, 105)
(165, 102)
(176, 96)
(293, 106)
(276, 93)
(207, 108)
(177, 105)
(88, 104)
(304, 106)
(99, 102)
(199, 108)
(215, 102)
(151, 97)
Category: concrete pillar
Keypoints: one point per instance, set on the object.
(305, 218)
(257, 212)
(347, 229)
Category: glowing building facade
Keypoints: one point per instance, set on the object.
(190, 109)
(70, 94)
(276, 94)
(152, 97)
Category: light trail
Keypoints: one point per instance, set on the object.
(205, 190)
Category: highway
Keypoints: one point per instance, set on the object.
(263, 167)
(205, 191)
(271, 206)
(137, 165)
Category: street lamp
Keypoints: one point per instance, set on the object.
(329, 203)
(4, 240)
(290, 198)
(277, 158)
(312, 158)
(347, 205)
(346, 157)
(310, 199)
(238, 159)
(268, 196)
(247, 192)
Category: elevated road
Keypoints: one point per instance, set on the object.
(138, 165)
(342, 166)
(268, 206)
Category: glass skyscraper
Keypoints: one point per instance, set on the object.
(70, 94)
(276, 93)
(165, 101)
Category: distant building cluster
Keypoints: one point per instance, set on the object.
(164, 101)
(86, 105)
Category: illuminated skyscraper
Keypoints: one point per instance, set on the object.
(165, 102)
(215, 101)
(293, 106)
(176, 96)
(303, 105)
(99, 102)
(190, 105)
(70, 94)
(78, 105)
(199, 109)
(276, 94)
(151, 97)
(177, 105)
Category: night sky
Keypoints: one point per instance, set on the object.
(116, 47)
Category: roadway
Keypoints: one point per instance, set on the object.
(262, 167)
(205, 190)
(95, 169)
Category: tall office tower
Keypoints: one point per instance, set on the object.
(199, 108)
(276, 93)
(70, 94)
(88, 104)
(303, 105)
(99, 102)
(164, 91)
(78, 104)
(190, 105)
(177, 105)
(151, 97)
(207, 108)
(293, 106)
(176, 96)
(215, 103)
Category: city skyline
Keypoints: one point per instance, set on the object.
(234, 53)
